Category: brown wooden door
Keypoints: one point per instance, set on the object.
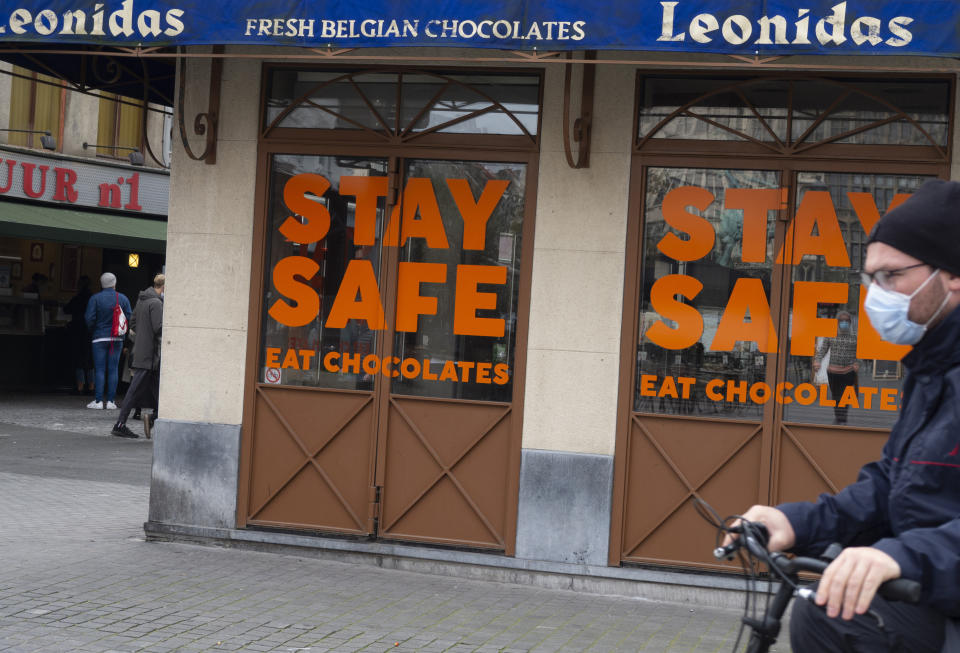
(691, 431)
(312, 444)
(449, 435)
(445, 480)
(751, 202)
(386, 394)
(744, 419)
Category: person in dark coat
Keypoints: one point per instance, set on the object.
(106, 346)
(81, 356)
(146, 326)
(901, 518)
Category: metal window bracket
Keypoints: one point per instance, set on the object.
(204, 124)
(582, 126)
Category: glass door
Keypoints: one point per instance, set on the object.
(445, 439)
(841, 381)
(706, 352)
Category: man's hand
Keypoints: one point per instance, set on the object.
(781, 532)
(851, 581)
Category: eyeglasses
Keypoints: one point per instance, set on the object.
(886, 278)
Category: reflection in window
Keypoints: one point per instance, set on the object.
(462, 363)
(297, 354)
(452, 301)
(404, 103)
(839, 387)
(866, 112)
(707, 373)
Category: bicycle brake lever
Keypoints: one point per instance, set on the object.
(810, 595)
(726, 552)
(755, 533)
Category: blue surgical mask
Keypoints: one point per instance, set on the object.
(844, 325)
(888, 312)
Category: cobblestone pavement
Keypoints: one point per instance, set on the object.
(76, 575)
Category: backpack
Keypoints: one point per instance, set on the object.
(119, 328)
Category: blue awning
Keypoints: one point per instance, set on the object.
(744, 27)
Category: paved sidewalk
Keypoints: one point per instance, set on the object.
(76, 575)
(59, 412)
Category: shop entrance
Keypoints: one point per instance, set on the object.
(384, 396)
(754, 199)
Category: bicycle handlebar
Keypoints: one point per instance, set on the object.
(898, 589)
(754, 537)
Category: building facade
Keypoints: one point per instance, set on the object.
(505, 291)
(80, 195)
(424, 326)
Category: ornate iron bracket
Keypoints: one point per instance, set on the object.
(204, 124)
(582, 126)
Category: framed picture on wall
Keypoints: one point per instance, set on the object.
(16, 270)
(36, 251)
(70, 262)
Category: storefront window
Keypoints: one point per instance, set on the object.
(451, 301)
(309, 257)
(709, 320)
(401, 103)
(466, 337)
(818, 111)
(847, 374)
(705, 323)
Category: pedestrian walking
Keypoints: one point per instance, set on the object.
(146, 327)
(107, 315)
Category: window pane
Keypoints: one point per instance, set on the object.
(459, 287)
(369, 100)
(734, 103)
(860, 380)
(300, 343)
(21, 96)
(468, 94)
(925, 102)
(34, 105)
(706, 272)
(129, 126)
(336, 105)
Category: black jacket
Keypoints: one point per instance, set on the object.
(908, 503)
(146, 325)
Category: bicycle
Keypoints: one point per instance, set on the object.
(751, 548)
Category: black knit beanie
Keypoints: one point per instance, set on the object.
(926, 226)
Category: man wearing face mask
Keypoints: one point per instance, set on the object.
(843, 364)
(901, 518)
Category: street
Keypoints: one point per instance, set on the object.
(77, 574)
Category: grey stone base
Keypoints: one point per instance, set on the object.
(194, 474)
(564, 508)
(562, 540)
(696, 589)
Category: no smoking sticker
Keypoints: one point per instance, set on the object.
(271, 375)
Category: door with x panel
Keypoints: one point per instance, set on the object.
(446, 452)
(754, 375)
(692, 430)
(384, 401)
(383, 396)
(314, 414)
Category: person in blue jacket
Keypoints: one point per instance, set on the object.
(901, 518)
(106, 347)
